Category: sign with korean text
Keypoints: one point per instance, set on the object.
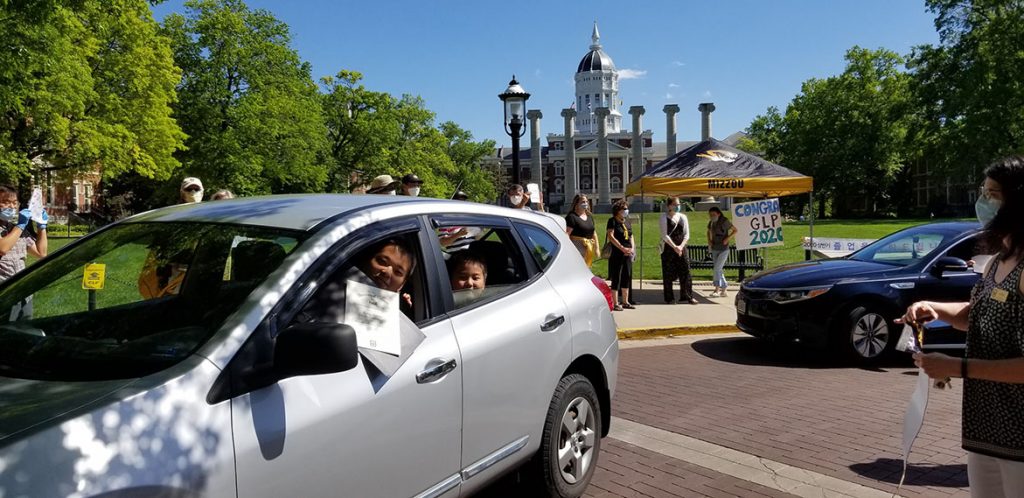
(833, 247)
(758, 224)
(95, 274)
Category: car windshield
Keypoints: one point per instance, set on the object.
(906, 247)
(133, 299)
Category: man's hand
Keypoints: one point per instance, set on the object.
(46, 219)
(24, 216)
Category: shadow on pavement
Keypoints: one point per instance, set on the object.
(757, 352)
(889, 470)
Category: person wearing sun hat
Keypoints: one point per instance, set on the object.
(411, 185)
(383, 184)
(191, 190)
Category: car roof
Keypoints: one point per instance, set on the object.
(304, 211)
(951, 226)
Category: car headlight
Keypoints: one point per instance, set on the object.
(792, 296)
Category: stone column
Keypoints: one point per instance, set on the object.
(705, 119)
(638, 144)
(571, 180)
(536, 165)
(670, 129)
(604, 186)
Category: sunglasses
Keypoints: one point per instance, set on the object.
(193, 189)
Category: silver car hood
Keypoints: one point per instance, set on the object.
(29, 404)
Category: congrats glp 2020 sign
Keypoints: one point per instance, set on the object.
(758, 224)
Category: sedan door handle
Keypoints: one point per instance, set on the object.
(552, 324)
(435, 371)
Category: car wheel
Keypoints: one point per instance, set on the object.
(866, 335)
(571, 440)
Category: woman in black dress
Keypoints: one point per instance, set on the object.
(620, 264)
(579, 224)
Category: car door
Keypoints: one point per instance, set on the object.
(515, 342)
(390, 427)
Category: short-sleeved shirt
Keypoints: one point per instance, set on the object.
(13, 261)
(719, 231)
(620, 231)
(580, 227)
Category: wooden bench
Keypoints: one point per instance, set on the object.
(747, 259)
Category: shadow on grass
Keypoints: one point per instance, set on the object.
(889, 470)
(756, 352)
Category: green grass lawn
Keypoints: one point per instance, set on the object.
(792, 251)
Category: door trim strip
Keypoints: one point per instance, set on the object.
(489, 460)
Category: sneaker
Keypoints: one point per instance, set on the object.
(693, 301)
(714, 293)
(723, 294)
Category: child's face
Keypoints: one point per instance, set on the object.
(469, 275)
(389, 268)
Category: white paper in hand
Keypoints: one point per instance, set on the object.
(534, 191)
(914, 418)
(373, 313)
(35, 205)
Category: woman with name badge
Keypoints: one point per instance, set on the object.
(993, 365)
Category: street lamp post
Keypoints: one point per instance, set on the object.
(514, 98)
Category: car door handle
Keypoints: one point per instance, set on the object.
(553, 323)
(436, 371)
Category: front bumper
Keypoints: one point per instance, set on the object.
(803, 322)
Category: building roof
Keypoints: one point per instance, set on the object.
(596, 59)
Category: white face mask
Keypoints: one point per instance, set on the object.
(414, 191)
(986, 209)
(625, 213)
(516, 199)
(196, 196)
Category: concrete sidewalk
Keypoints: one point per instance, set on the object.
(653, 318)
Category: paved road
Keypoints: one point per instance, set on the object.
(727, 416)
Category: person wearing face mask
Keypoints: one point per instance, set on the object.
(411, 185)
(517, 198)
(579, 224)
(720, 232)
(993, 365)
(620, 264)
(675, 264)
(191, 190)
(15, 241)
(383, 185)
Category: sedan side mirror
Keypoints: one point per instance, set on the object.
(948, 264)
(314, 349)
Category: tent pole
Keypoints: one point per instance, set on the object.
(640, 254)
(808, 254)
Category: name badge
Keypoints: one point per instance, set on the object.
(1000, 295)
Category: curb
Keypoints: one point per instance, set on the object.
(653, 332)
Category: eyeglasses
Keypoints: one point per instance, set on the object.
(988, 192)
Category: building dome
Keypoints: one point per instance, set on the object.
(596, 60)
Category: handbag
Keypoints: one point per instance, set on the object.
(606, 251)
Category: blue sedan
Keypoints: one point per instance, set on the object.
(849, 304)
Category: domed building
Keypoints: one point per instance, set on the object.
(564, 173)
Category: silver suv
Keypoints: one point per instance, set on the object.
(315, 345)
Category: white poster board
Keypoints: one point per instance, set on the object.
(758, 224)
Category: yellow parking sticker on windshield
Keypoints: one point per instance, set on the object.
(95, 274)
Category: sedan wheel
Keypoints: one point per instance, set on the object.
(868, 334)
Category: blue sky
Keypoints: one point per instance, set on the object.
(460, 54)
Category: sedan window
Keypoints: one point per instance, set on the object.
(133, 299)
(902, 248)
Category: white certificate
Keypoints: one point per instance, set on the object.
(35, 205)
(373, 313)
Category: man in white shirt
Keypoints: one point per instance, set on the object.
(675, 264)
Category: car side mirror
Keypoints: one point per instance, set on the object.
(948, 264)
(315, 349)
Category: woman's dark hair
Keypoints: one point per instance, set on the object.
(1009, 174)
(716, 210)
(618, 207)
(576, 201)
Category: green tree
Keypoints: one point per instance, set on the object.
(968, 88)
(248, 103)
(89, 87)
(480, 184)
(848, 131)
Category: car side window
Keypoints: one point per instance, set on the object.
(541, 245)
(482, 262)
(390, 267)
(965, 249)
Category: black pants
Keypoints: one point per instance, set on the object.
(673, 267)
(620, 270)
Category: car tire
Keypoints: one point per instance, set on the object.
(865, 335)
(570, 443)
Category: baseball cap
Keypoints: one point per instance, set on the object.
(191, 181)
(411, 179)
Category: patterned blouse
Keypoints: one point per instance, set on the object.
(13, 261)
(993, 412)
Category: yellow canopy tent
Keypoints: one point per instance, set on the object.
(712, 168)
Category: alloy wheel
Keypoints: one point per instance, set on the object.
(576, 440)
(870, 335)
